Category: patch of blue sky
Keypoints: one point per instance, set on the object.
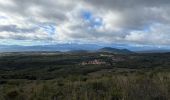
(49, 28)
(97, 22)
(92, 20)
(86, 15)
(3, 17)
(14, 42)
(24, 42)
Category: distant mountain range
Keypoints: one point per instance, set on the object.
(114, 50)
(73, 48)
(57, 47)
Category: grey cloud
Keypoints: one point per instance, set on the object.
(125, 4)
(15, 29)
(47, 9)
(137, 15)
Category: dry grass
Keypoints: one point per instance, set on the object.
(117, 87)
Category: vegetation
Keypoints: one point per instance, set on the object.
(62, 76)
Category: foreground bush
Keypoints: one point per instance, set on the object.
(118, 87)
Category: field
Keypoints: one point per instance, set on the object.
(84, 76)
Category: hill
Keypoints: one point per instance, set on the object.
(114, 50)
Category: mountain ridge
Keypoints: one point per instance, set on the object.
(114, 50)
(76, 48)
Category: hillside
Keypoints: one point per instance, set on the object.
(114, 50)
(84, 76)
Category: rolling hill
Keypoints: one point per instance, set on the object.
(114, 50)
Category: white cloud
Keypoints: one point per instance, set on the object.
(113, 21)
(157, 34)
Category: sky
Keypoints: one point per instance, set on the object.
(45, 22)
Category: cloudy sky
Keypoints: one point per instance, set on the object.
(131, 22)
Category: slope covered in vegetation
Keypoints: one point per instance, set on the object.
(64, 76)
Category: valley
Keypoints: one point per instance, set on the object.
(84, 76)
